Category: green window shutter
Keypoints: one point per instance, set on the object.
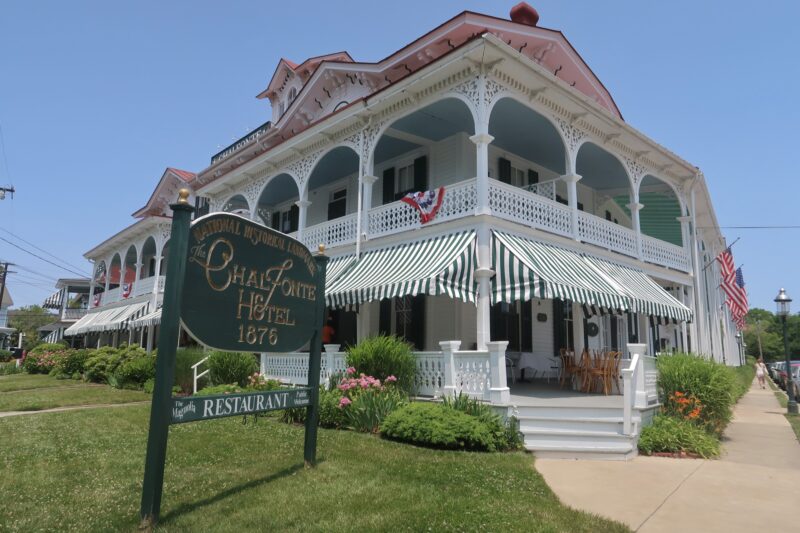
(418, 322)
(421, 173)
(276, 220)
(533, 177)
(385, 317)
(504, 170)
(526, 342)
(388, 185)
(294, 218)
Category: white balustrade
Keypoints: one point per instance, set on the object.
(665, 253)
(430, 373)
(518, 205)
(144, 286)
(161, 280)
(460, 200)
(112, 295)
(288, 367)
(650, 374)
(332, 233)
(546, 189)
(596, 230)
(640, 385)
(473, 374)
(74, 314)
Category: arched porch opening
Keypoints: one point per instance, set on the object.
(164, 255)
(527, 150)
(115, 272)
(423, 150)
(332, 187)
(128, 274)
(605, 187)
(659, 216)
(238, 205)
(276, 206)
(148, 266)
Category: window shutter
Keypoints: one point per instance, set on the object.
(388, 185)
(504, 170)
(276, 220)
(580, 206)
(385, 317)
(526, 342)
(421, 174)
(614, 335)
(533, 177)
(558, 325)
(560, 199)
(608, 215)
(418, 321)
(294, 217)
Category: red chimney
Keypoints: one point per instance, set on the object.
(523, 13)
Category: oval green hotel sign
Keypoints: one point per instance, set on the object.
(247, 287)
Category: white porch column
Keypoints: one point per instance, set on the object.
(330, 351)
(90, 303)
(499, 393)
(448, 351)
(635, 207)
(482, 141)
(369, 182)
(155, 284)
(577, 330)
(302, 218)
(572, 197)
(484, 275)
(136, 277)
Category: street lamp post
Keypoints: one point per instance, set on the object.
(782, 302)
(739, 344)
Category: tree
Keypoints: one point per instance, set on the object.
(28, 320)
(762, 335)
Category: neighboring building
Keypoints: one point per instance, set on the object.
(5, 331)
(561, 225)
(126, 288)
(71, 301)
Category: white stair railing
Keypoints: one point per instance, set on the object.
(196, 376)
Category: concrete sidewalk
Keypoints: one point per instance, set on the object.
(753, 487)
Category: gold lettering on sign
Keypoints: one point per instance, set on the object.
(226, 253)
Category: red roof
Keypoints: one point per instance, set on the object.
(185, 175)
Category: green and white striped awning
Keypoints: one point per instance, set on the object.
(646, 296)
(336, 267)
(439, 265)
(526, 269)
(107, 320)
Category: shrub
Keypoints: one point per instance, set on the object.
(366, 401)
(103, 362)
(711, 384)
(438, 426)
(135, 372)
(383, 356)
(220, 389)
(231, 367)
(184, 377)
(149, 385)
(48, 347)
(45, 360)
(73, 362)
(669, 434)
(506, 433)
(5, 356)
(331, 414)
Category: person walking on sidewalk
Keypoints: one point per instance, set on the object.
(761, 372)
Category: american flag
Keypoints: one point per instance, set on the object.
(733, 285)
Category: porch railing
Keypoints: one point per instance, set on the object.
(665, 253)
(596, 230)
(74, 314)
(518, 205)
(143, 286)
(332, 233)
(640, 385)
(480, 374)
(546, 189)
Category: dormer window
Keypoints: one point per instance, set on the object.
(292, 95)
(282, 108)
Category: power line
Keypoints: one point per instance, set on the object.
(40, 249)
(42, 258)
(748, 227)
(31, 271)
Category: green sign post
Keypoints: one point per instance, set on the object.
(239, 286)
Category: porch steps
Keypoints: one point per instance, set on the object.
(576, 432)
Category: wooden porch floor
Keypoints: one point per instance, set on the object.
(542, 394)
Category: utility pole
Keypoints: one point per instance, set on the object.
(3, 283)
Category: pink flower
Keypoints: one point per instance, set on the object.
(351, 370)
(343, 402)
(390, 379)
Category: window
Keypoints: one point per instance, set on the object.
(405, 179)
(402, 316)
(337, 204)
(292, 94)
(286, 219)
(282, 109)
(519, 178)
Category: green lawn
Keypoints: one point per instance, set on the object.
(58, 393)
(794, 420)
(33, 381)
(82, 471)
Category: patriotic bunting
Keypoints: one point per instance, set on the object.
(426, 202)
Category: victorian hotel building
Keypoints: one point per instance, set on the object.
(560, 228)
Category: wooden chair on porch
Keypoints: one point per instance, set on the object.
(586, 365)
(569, 370)
(597, 372)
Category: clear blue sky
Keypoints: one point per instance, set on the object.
(97, 98)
